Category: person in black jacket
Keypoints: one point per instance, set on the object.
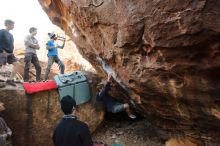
(70, 131)
(7, 48)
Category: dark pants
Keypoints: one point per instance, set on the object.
(31, 58)
(51, 60)
(116, 108)
(7, 58)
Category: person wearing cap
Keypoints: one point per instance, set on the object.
(52, 47)
(70, 131)
(6, 50)
(31, 45)
(110, 104)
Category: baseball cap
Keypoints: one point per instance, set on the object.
(51, 35)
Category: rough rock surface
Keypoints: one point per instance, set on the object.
(165, 51)
(32, 118)
(180, 142)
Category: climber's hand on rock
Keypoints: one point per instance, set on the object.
(109, 77)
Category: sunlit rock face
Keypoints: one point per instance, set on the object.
(165, 51)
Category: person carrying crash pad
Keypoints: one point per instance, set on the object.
(110, 104)
(70, 131)
(52, 54)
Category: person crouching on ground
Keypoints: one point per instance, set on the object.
(52, 47)
(110, 104)
(70, 131)
(31, 45)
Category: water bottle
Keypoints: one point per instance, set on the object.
(61, 38)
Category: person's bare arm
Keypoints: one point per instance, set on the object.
(61, 47)
(109, 77)
(56, 46)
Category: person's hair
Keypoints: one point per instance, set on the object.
(68, 104)
(8, 22)
(32, 29)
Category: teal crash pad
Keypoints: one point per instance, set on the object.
(75, 85)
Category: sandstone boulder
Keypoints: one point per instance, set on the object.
(164, 52)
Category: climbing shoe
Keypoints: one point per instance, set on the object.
(132, 116)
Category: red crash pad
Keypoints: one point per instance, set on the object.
(34, 87)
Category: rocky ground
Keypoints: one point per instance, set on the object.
(118, 128)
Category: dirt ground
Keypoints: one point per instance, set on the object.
(118, 128)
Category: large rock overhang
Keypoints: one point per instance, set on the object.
(164, 53)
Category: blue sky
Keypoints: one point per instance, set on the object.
(25, 13)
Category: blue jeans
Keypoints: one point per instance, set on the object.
(51, 60)
(116, 108)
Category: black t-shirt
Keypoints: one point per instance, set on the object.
(6, 41)
(71, 132)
